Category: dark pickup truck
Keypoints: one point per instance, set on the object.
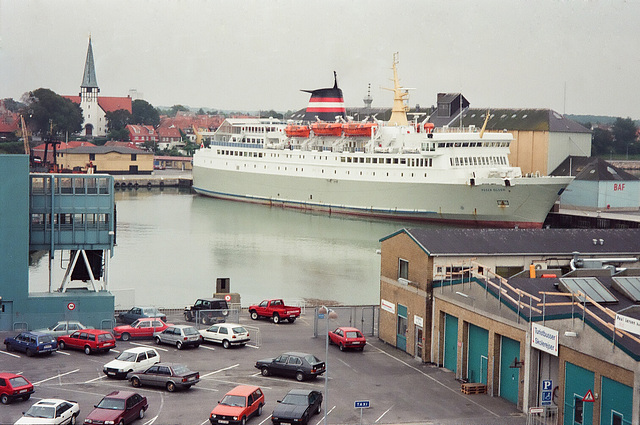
(275, 310)
(207, 311)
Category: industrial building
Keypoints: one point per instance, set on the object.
(546, 319)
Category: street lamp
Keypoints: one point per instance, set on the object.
(325, 313)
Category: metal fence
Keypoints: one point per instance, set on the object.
(364, 318)
(542, 415)
(206, 318)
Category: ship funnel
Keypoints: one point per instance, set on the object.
(326, 104)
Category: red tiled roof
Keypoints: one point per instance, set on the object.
(74, 99)
(130, 145)
(110, 104)
(9, 122)
(169, 132)
(39, 150)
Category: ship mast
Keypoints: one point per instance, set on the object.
(399, 110)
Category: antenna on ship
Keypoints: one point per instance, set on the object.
(399, 110)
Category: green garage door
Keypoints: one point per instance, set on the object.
(577, 382)
(478, 354)
(451, 343)
(616, 403)
(509, 376)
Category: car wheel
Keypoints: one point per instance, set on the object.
(291, 319)
(135, 382)
(254, 315)
(187, 317)
(171, 387)
(141, 414)
(361, 349)
(125, 336)
(4, 399)
(259, 410)
(121, 422)
(8, 347)
(204, 320)
(87, 350)
(299, 376)
(276, 318)
(341, 347)
(158, 340)
(74, 418)
(265, 371)
(61, 345)
(179, 345)
(244, 420)
(26, 397)
(319, 409)
(29, 353)
(226, 344)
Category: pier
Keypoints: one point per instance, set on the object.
(164, 178)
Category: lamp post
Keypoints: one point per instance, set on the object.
(324, 312)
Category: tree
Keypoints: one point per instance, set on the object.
(177, 108)
(46, 110)
(624, 133)
(117, 122)
(601, 142)
(144, 114)
(12, 105)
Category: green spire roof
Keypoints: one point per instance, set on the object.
(89, 79)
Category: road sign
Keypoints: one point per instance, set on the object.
(362, 404)
(588, 397)
(547, 385)
(320, 316)
(227, 298)
(71, 306)
(546, 398)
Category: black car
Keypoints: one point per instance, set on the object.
(136, 313)
(207, 311)
(297, 407)
(299, 365)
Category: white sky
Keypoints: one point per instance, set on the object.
(258, 54)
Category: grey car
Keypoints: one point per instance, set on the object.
(168, 375)
(180, 336)
(64, 328)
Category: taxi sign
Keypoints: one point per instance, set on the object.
(362, 404)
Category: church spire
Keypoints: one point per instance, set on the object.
(89, 79)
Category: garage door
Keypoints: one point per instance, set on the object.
(477, 361)
(451, 342)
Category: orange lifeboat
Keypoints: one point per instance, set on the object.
(353, 129)
(293, 130)
(428, 127)
(326, 128)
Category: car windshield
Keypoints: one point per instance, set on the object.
(353, 334)
(111, 403)
(297, 399)
(135, 323)
(18, 381)
(36, 411)
(127, 357)
(239, 330)
(311, 359)
(190, 331)
(105, 337)
(233, 400)
(180, 369)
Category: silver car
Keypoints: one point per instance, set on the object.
(179, 335)
(65, 327)
(169, 375)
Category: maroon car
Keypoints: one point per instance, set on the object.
(118, 407)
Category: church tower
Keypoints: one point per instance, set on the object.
(94, 121)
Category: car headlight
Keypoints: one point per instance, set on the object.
(235, 418)
(88, 421)
(109, 422)
(213, 416)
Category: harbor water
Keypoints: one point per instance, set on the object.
(172, 246)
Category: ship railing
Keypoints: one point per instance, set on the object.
(447, 129)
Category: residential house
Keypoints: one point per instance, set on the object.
(107, 159)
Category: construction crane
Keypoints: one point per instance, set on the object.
(25, 136)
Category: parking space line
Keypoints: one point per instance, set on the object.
(62, 352)
(54, 377)
(95, 379)
(149, 346)
(265, 420)
(219, 370)
(208, 348)
(385, 412)
(9, 354)
(328, 413)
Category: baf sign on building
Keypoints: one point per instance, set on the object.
(545, 339)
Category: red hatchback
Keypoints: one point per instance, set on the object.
(14, 386)
(346, 337)
(89, 340)
(141, 328)
(238, 405)
(118, 407)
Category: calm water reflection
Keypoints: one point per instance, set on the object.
(172, 245)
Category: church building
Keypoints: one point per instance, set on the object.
(94, 107)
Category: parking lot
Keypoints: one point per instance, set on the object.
(399, 388)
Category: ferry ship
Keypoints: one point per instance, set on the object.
(391, 170)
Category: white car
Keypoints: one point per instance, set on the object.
(51, 411)
(64, 327)
(136, 359)
(227, 334)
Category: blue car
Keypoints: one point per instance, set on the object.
(32, 343)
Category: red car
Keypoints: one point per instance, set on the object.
(238, 405)
(346, 337)
(141, 328)
(14, 386)
(118, 407)
(89, 340)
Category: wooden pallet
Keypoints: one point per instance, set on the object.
(473, 388)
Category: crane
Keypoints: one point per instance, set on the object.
(25, 136)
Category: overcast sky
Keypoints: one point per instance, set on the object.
(578, 57)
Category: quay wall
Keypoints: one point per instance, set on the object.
(135, 181)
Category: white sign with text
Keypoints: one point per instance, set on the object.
(545, 339)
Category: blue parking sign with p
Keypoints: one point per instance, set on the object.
(546, 385)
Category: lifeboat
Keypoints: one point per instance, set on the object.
(297, 130)
(327, 128)
(353, 129)
(428, 127)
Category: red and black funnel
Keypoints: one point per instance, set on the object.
(325, 104)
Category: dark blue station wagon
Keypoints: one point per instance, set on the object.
(32, 343)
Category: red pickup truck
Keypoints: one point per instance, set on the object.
(275, 310)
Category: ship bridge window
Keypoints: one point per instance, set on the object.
(441, 145)
(449, 145)
(343, 159)
(362, 160)
(403, 161)
(395, 160)
(465, 145)
(374, 160)
(457, 161)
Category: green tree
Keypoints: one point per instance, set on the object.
(117, 122)
(624, 133)
(144, 114)
(190, 147)
(46, 110)
(601, 142)
(177, 108)
(12, 105)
